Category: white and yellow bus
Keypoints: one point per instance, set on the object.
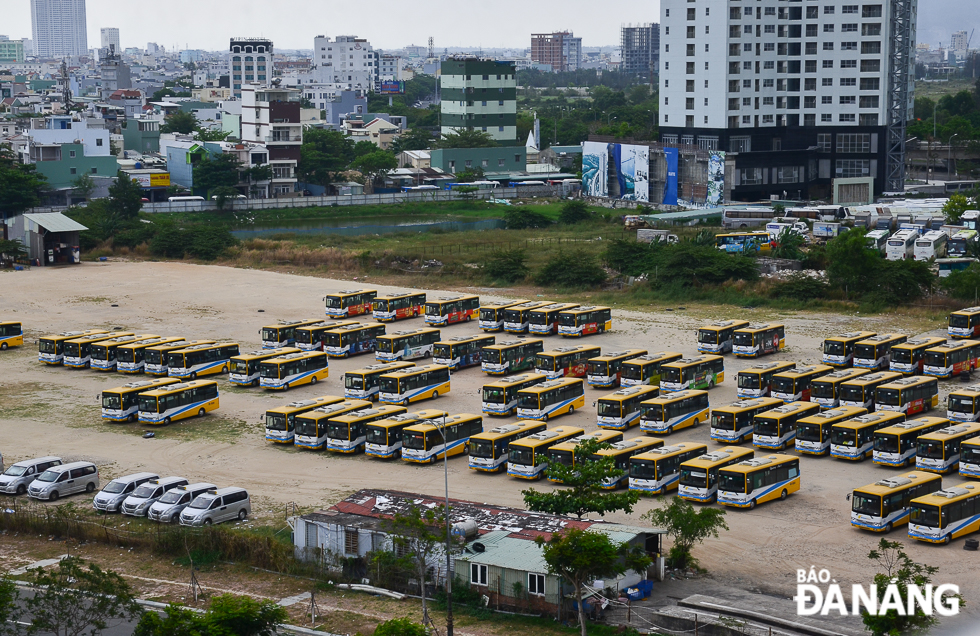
(500, 397)
(347, 433)
(203, 359)
(881, 506)
(758, 340)
(606, 370)
(398, 306)
(951, 358)
(460, 352)
(776, 428)
(733, 423)
(384, 437)
(155, 358)
(963, 405)
(699, 476)
(449, 310)
(550, 399)
(756, 381)
(620, 410)
(875, 352)
(492, 314)
(526, 456)
(121, 404)
(895, 445)
(854, 439)
(564, 453)
(621, 452)
(584, 321)
(516, 316)
(177, 401)
(11, 334)
(293, 369)
(280, 422)
(310, 337)
(351, 340)
(489, 449)
(510, 356)
(51, 348)
(78, 351)
(970, 458)
(793, 385)
(838, 351)
(543, 321)
(350, 302)
(813, 431)
(431, 440)
(758, 480)
(717, 337)
(646, 369)
(946, 514)
(414, 384)
(939, 451)
(861, 390)
(310, 429)
(406, 345)
(103, 354)
(964, 323)
(825, 390)
(658, 470)
(283, 333)
(565, 362)
(700, 373)
(917, 394)
(244, 367)
(362, 384)
(666, 414)
(907, 357)
(131, 358)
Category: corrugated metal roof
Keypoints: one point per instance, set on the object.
(55, 222)
(510, 553)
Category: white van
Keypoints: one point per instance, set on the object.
(900, 245)
(217, 506)
(932, 244)
(112, 495)
(66, 479)
(137, 504)
(167, 508)
(16, 479)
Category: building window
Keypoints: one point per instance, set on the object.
(870, 48)
(72, 170)
(95, 170)
(870, 66)
(740, 144)
(849, 168)
(689, 103)
(749, 176)
(767, 101)
(848, 64)
(478, 574)
(848, 46)
(849, 28)
(500, 129)
(828, 28)
(746, 119)
(827, 99)
(810, 102)
(768, 83)
(452, 166)
(769, 46)
(788, 174)
(846, 119)
(811, 48)
(767, 119)
(871, 11)
(871, 29)
(849, 8)
(769, 65)
(860, 143)
(826, 117)
(828, 46)
(71, 153)
(535, 584)
(810, 84)
(848, 99)
(848, 81)
(869, 83)
(769, 28)
(746, 101)
(501, 162)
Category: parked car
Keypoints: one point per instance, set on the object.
(167, 509)
(66, 479)
(112, 495)
(19, 476)
(217, 506)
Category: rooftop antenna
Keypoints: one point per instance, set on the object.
(65, 84)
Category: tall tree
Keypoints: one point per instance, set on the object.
(83, 186)
(466, 138)
(687, 527)
(323, 153)
(216, 171)
(417, 138)
(179, 121)
(125, 197)
(9, 608)
(375, 165)
(20, 186)
(226, 616)
(419, 535)
(850, 265)
(211, 134)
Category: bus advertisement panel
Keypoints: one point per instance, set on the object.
(717, 337)
(620, 410)
(280, 422)
(702, 372)
(838, 351)
(178, 401)
(885, 504)
(244, 367)
(970, 458)
(733, 423)
(668, 413)
(952, 358)
(347, 433)
(566, 362)
(492, 314)
(406, 345)
(131, 358)
(350, 302)
(813, 431)
(743, 242)
(198, 360)
(861, 390)
(489, 449)
(431, 440)
(510, 356)
(854, 438)
(352, 340)
(384, 437)
(875, 352)
(460, 352)
(699, 476)
(310, 337)
(104, 353)
(11, 334)
(946, 514)
(965, 323)
(758, 340)
(658, 470)
(78, 352)
(646, 369)
(414, 384)
(398, 306)
(621, 452)
(605, 371)
(825, 390)
(913, 395)
(756, 381)
(294, 369)
(516, 316)
(584, 321)
(550, 399)
(939, 451)
(758, 480)
(907, 357)
(776, 429)
(51, 348)
(526, 456)
(449, 310)
(283, 333)
(362, 384)
(121, 404)
(543, 321)
(500, 397)
(896, 444)
(793, 385)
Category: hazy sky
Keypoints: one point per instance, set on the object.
(390, 24)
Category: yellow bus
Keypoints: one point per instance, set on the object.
(131, 358)
(293, 369)
(449, 310)
(776, 428)
(492, 313)
(854, 439)
(565, 362)
(310, 430)
(350, 302)
(384, 437)
(51, 348)
(813, 431)
(838, 351)
(543, 321)
(952, 358)
(605, 371)
(620, 410)
(351, 340)
(907, 357)
(203, 359)
(658, 470)
(881, 506)
(244, 367)
(699, 476)
(861, 390)
(793, 385)
(460, 352)
(11, 334)
(825, 390)
(701, 373)
(584, 321)
(362, 384)
(310, 337)
(516, 316)
(500, 397)
(964, 323)
(413, 384)
(177, 401)
(668, 413)
(913, 395)
(733, 423)
(489, 449)
(758, 340)
(510, 356)
(550, 399)
(564, 452)
(280, 422)
(121, 404)
(155, 358)
(946, 514)
(717, 337)
(756, 381)
(103, 354)
(283, 333)
(647, 369)
(970, 458)
(78, 351)
(963, 405)
(939, 451)
(526, 456)
(347, 433)
(621, 452)
(431, 440)
(398, 306)
(406, 345)
(875, 352)
(896, 445)
(758, 480)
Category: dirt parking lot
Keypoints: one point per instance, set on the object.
(54, 411)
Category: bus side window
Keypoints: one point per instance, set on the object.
(794, 470)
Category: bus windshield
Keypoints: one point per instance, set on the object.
(379, 435)
(696, 477)
(528, 401)
(655, 413)
(442, 351)
(385, 345)
(707, 336)
(749, 380)
(270, 334)
(783, 385)
(960, 404)
(147, 404)
(865, 351)
(767, 426)
(887, 443)
(339, 430)
(843, 436)
(935, 359)
(492, 356)
(599, 368)
(672, 374)
(834, 348)
(930, 449)
(334, 302)
(888, 397)
(743, 338)
(414, 440)
(644, 469)
(275, 422)
(902, 356)
(926, 515)
(306, 428)
(388, 385)
(481, 448)
(567, 320)
(111, 401)
(822, 390)
(494, 395)
(969, 454)
(610, 409)
(521, 455)
(353, 381)
(488, 314)
(731, 482)
(47, 346)
(866, 504)
(267, 370)
(632, 372)
(959, 321)
(808, 432)
(851, 393)
(723, 421)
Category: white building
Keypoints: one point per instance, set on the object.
(110, 39)
(348, 61)
(250, 60)
(958, 43)
(390, 67)
(271, 117)
(59, 28)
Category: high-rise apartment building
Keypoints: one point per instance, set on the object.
(110, 39)
(803, 92)
(11, 50)
(640, 47)
(479, 94)
(958, 43)
(348, 61)
(560, 50)
(250, 60)
(271, 118)
(59, 28)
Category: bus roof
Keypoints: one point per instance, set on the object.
(769, 366)
(415, 416)
(750, 465)
(328, 324)
(373, 413)
(410, 332)
(505, 344)
(543, 437)
(413, 370)
(67, 335)
(557, 351)
(633, 444)
(724, 324)
(306, 405)
(745, 405)
(121, 340)
(676, 395)
(916, 343)
(889, 485)
(260, 354)
(449, 299)
(171, 388)
(954, 431)
(881, 376)
(761, 327)
(208, 345)
(500, 304)
(506, 430)
(99, 337)
(787, 409)
(459, 339)
(836, 413)
(911, 425)
(292, 323)
(515, 379)
(377, 368)
(883, 337)
(951, 345)
(903, 383)
(950, 493)
(630, 391)
(968, 310)
(807, 370)
(179, 344)
(973, 391)
(584, 308)
(403, 294)
(293, 356)
(600, 435)
(437, 423)
(551, 384)
(718, 456)
(843, 374)
(673, 449)
(338, 408)
(695, 360)
(852, 336)
(356, 326)
(351, 292)
(532, 304)
(656, 357)
(142, 344)
(142, 385)
(615, 355)
(10, 322)
(557, 307)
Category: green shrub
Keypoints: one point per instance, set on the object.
(508, 266)
(571, 270)
(522, 218)
(964, 284)
(574, 212)
(169, 241)
(133, 235)
(630, 258)
(400, 627)
(801, 287)
(691, 264)
(208, 242)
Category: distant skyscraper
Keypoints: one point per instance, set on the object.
(110, 38)
(958, 43)
(59, 28)
(641, 49)
(561, 50)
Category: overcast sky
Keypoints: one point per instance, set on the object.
(389, 24)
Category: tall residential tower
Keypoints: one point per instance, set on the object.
(479, 94)
(59, 28)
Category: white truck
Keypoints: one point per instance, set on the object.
(655, 236)
(824, 230)
(797, 227)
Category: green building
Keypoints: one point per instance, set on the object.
(490, 160)
(142, 135)
(479, 94)
(62, 164)
(11, 51)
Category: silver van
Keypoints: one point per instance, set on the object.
(66, 479)
(16, 479)
(146, 495)
(167, 509)
(110, 498)
(217, 506)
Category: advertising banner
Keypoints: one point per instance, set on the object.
(632, 171)
(389, 87)
(670, 187)
(716, 178)
(595, 169)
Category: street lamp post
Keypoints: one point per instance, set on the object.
(449, 583)
(949, 154)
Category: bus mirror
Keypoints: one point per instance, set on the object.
(262, 417)
(594, 403)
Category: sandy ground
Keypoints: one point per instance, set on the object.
(54, 411)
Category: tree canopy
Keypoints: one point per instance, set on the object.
(687, 527)
(323, 153)
(375, 164)
(227, 615)
(216, 171)
(466, 138)
(125, 197)
(20, 185)
(179, 121)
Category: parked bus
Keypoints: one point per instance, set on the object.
(658, 470)
(606, 370)
(674, 411)
(121, 404)
(352, 340)
(620, 410)
(177, 401)
(203, 359)
(895, 445)
(717, 337)
(11, 334)
(647, 369)
(963, 405)
(431, 440)
(460, 352)
(793, 385)
(743, 242)
(244, 367)
(939, 451)
(838, 351)
(406, 345)
(131, 358)
(104, 354)
(861, 390)
(813, 432)
(362, 384)
(825, 390)
(78, 352)
(621, 452)
(500, 397)
(280, 422)
(951, 358)
(930, 245)
(398, 306)
(156, 358)
(566, 362)
(875, 352)
(733, 423)
(913, 395)
(776, 428)
(699, 476)
(489, 449)
(51, 348)
(347, 433)
(970, 458)
(564, 453)
(350, 302)
(702, 372)
(510, 356)
(283, 333)
(550, 399)
(448, 310)
(414, 384)
(907, 357)
(526, 456)
(756, 381)
(584, 321)
(293, 369)
(901, 245)
(384, 437)
(516, 317)
(543, 321)
(492, 313)
(946, 514)
(758, 340)
(881, 506)
(877, 240)
(758, 480)
(964, 323)
(310, 337)
(310, 429)
(947, 266)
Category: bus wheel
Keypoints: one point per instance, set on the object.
(752, 505)
(224, 369)
(435, 394)
(193, 376)
(166, 421)
(313, 380)
(133, 417)
(946, 539)
(888, 527)
(200, 412)
(571, 409)
(285, 387)
(783, 494)
(3, 346)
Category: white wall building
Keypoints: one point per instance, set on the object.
(59, 28)
(348, 61)
(958, 43)
(250, 60)
(110, 38)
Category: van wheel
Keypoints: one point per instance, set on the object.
(166, 421)
(200, 412)
(53, 496)
(21, 489)
(242, 514)
(207, 522)
(175, 519)
(89, 487)
(752, 505)
(313, 380)
(783, 494)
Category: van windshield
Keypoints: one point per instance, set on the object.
(115, 486)
(49, 475)
(145, 491)
(15, 471)
(201, 503)
(174, 496)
